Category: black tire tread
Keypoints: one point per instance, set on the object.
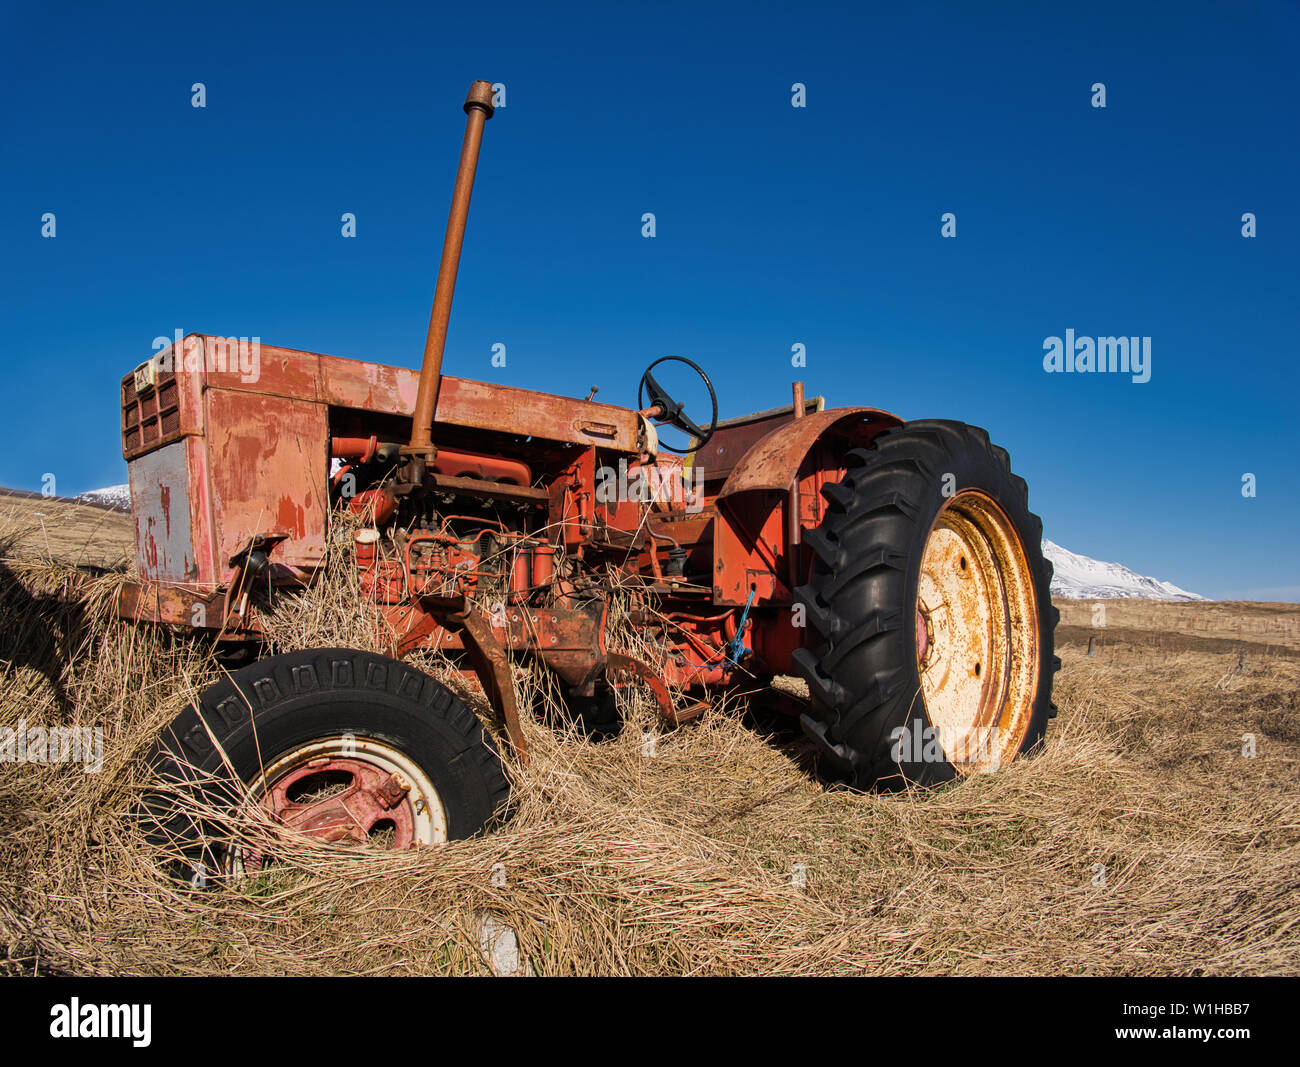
(294, 692)
(859, 660)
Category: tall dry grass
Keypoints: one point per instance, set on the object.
(1140, 841)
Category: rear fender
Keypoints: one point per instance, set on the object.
(772, 496)
(776, 459)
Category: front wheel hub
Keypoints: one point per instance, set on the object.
(344, 800)
(350, 790)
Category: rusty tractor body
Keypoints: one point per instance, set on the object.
(232, 496)
(493, 523)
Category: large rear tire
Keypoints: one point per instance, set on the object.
(339, 745)
(930, 622)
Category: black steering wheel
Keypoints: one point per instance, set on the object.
(670, 411)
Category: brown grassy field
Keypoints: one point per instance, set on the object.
(62, 529)
(1219, 626)
(1142, 839)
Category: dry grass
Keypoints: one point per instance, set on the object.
(1214, 626)
(65, 529)
(680, 854)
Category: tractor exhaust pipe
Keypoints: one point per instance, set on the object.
(478, 108)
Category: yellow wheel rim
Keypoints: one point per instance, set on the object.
(977, 642)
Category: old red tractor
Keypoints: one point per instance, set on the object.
(894, 565)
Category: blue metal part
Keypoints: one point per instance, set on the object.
(736, 646)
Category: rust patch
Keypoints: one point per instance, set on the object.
(775, 460)
(267, 455)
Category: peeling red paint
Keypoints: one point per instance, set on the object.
(290, 517)
(267, 465)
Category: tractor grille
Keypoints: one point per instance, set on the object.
(150, 409)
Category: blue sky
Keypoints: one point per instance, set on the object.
(775, 225)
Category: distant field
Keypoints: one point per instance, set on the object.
(65, 530)
(1212, 626)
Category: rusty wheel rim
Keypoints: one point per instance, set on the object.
(976, 634)
(347, 790)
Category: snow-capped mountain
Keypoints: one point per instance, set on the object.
(112, 496)
(1089, 579)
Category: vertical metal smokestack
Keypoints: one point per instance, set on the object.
(478, 108)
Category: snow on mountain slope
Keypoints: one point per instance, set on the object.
(1089, 579)
(112, 496)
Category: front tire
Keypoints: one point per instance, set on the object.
(930, 621)
(338, 745)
